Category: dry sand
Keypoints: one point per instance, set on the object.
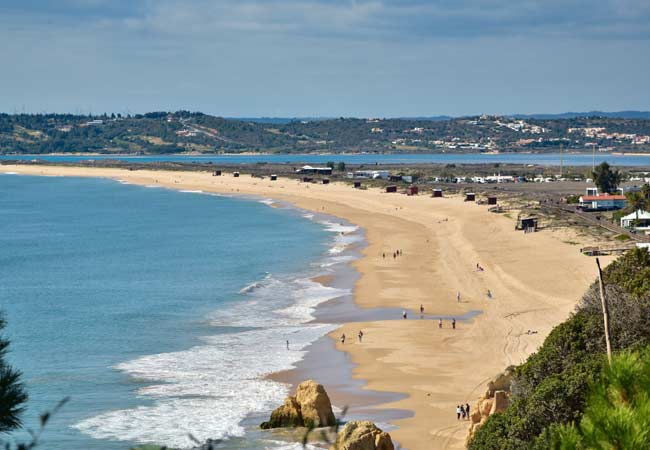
(535, 279)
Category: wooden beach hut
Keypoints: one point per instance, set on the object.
(412, 190)
(235, 174)
(274, 177)
(437, 193)
(470, 197)
(326, 181)
(491, 200)
(357, 184)
(216, 173)
(391, 188)
(527, 224)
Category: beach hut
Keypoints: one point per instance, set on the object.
(412, 190)
(437, 193)
(357, 184)
(235, 174)
(216, 173)
(470, 197)
(527, 224)
(274, 177)
(491, 200)
(391, 188)
(326, 181)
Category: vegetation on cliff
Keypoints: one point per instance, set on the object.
(552, 388)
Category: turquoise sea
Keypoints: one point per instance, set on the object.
(157, 312)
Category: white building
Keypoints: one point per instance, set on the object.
(630, 221)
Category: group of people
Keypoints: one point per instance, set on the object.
(396, 253)
(359, 336)
(462, 412)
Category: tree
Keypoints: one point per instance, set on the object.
(617, 415)
(636, 201)
(645, 191)
(12, 393)
(606, 179)
(340, 166)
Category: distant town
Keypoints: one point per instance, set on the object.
(197, 133)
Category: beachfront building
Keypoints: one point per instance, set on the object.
(602, 202)
(314, 170)
(370, 174)
(637, 221)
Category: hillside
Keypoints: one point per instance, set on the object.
(182, 131)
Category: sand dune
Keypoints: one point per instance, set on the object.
(535, 280)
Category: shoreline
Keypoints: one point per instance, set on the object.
(536, 280)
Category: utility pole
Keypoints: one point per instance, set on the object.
(593, 157)
(603, 302)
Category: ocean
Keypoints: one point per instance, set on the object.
(541, 159)
(158, 312)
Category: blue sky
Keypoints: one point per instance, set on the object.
(361, 58)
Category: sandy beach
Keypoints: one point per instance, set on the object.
(535, 280)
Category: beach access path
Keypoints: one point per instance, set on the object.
(535, 280)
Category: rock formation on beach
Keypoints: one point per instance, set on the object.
(494, 400)
(310, 407)
(362, 435)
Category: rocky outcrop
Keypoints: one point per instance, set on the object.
(362, 435)
(494, 400)
(310, 407)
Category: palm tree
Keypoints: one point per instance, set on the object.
(645, 190)
(637, 201)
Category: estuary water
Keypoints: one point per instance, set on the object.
(157, 312)
(541, 159)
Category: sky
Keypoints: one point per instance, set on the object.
(324, 58)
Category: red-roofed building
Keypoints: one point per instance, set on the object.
(602, 202)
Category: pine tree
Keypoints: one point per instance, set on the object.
(12, 393)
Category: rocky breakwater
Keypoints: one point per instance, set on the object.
(362, 435)
(310, 408)
(495, 399)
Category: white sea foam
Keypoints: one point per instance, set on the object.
(191, 191)
(190, 387)
(209, 389)
(334, 260)
(10, 173)
(267, 201)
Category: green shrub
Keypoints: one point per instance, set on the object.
(551, 388)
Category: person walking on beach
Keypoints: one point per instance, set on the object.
(489, 294)
(458, 296)
(404, 315)
(453, 323)
(343, 338)
(440, 323)
(360, 336)
(467, 410)
(421, 309)
(457, 412)
(462, 412)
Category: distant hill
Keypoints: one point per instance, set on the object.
(195, 132)
(574, 115)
